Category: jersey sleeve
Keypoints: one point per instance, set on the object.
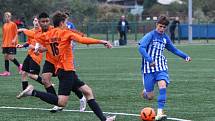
(82, 39)
(170, 47)
(29, 33)
(143, 44)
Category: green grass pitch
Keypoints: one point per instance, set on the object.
(114, 75)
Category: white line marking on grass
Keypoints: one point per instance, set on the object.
(124, 114)
(199, 59)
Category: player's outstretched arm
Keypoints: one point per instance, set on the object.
(87, 40)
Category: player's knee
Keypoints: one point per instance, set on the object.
(46, 81)
(62, 101)
(62, 104)
(87, 91)
(162, 84)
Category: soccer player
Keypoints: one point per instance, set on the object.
(60, 39)
(31, 64)
(48, 67)
(9, 41)
(154, 64)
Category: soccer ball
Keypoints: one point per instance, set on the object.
(147, 114)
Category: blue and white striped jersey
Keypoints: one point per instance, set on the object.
(152, 46)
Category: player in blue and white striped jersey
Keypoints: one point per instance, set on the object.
(154, 63)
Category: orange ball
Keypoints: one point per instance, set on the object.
(147, 114)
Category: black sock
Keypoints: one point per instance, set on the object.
(51, 90)
(24, 85)
(47, 97)
(78, 93)
(96, 109)
(39, 79)
(6, 64)
(15, 62)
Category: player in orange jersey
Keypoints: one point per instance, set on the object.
(60, 40)
(9, 41)
(31, 64)
(48, 67)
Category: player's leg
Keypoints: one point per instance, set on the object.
(25, 68)
(11, 57)
(47, 73)
(24, 80)
(82, 99)
(78, 93)
(47, 97)
(87, 91)
(163, 80)
(34, 71)
(6, 60)
(148, 86)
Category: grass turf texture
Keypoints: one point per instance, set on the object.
(115, 78)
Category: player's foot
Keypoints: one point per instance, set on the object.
(83, 103)
(5, 73)
(144, 95)
(20, 68)
(56, 109)
(160, 117)
(27, 92)
(111, 118)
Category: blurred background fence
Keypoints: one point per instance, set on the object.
(108, 30)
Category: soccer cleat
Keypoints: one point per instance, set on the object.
(144, 95)
(5, 73)
(160, 117)
(56, 109)
(111, 118)
(27, 92)
(20, 68)
(83, 103)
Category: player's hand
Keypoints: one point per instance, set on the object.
(107, 44)
(36, 53)
(188, 59)
(19, 46)
(152, 64)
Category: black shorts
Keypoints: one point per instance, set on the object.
(49, 68)
(68, 80)
(9, 50)
(30, 66)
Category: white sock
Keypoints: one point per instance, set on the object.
(82, 98)
(159, 111)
